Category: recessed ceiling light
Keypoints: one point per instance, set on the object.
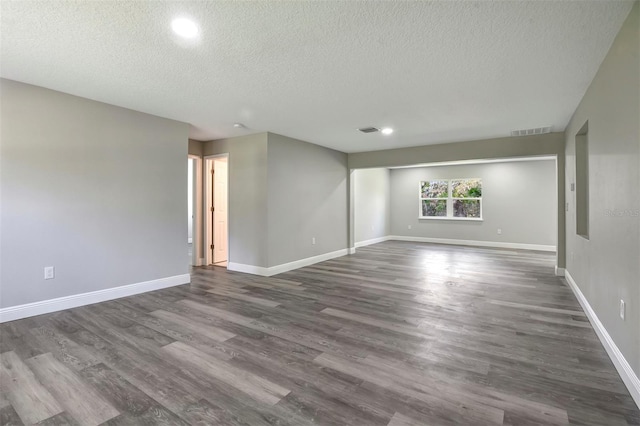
(184, 27)
(387, 130)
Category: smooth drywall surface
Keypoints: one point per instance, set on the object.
(371, 204)
(501, 148)
(307, 199)
(486, 149)
(195, 147)
(97, 191)
(247, 196)
(519, 198)
(605, 267)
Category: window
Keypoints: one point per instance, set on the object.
(433, 198)
(451, 199)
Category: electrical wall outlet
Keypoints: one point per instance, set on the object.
(49, 272)
(499, 231)
(621, 309)
(372, 227)
(313, 241)
(408, 226)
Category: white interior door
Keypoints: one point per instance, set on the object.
(220, 212)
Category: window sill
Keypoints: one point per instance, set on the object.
(466, 219)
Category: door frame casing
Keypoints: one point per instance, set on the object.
(196, 256)
(208, 197)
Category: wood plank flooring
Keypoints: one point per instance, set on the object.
(398, 334)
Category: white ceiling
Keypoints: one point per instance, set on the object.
(435, 71)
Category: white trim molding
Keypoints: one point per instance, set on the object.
(496, 244)
(67, 302)
(627, 374)
(371, 241)
(248, 269)
(559, 271)
(278, 269)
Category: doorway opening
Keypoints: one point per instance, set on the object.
(217, 212)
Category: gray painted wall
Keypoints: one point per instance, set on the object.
(195, 147)
(307, 197)
(517, 197)
(95, 190)
(606, 266)
(247, 196)
(525, 146)
(372, 204)
(509, 147)
(282, 193)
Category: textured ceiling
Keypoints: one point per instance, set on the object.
(435, 71)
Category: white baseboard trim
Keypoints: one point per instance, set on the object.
(629, 377)
(559, 271)
(247, 269)
(352, 250)
(372, 241)
(61, 303)
(495, 244)
(278, 269)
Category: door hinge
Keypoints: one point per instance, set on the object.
(211, 246)
(212, 171)
(213, 209)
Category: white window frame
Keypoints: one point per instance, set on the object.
(450, 199)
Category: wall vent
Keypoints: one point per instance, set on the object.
(369, 129)
(528, 132)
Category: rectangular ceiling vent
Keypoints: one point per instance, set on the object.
(528, 132)
(369, 129)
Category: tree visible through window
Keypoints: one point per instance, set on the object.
(434, 196)
(454, 198)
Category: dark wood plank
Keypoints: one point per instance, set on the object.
(9, 416)
(398, 334)
(78, 398)
(31, 400)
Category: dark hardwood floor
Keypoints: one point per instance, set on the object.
(398, 334)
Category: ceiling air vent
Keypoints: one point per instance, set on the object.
(369, 129)
(528, 132)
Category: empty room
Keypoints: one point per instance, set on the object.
(300, 213)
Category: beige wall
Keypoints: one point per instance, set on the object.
(606, 266)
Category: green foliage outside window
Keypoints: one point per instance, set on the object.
(466, 188)
(462, 196)
(435, 189)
